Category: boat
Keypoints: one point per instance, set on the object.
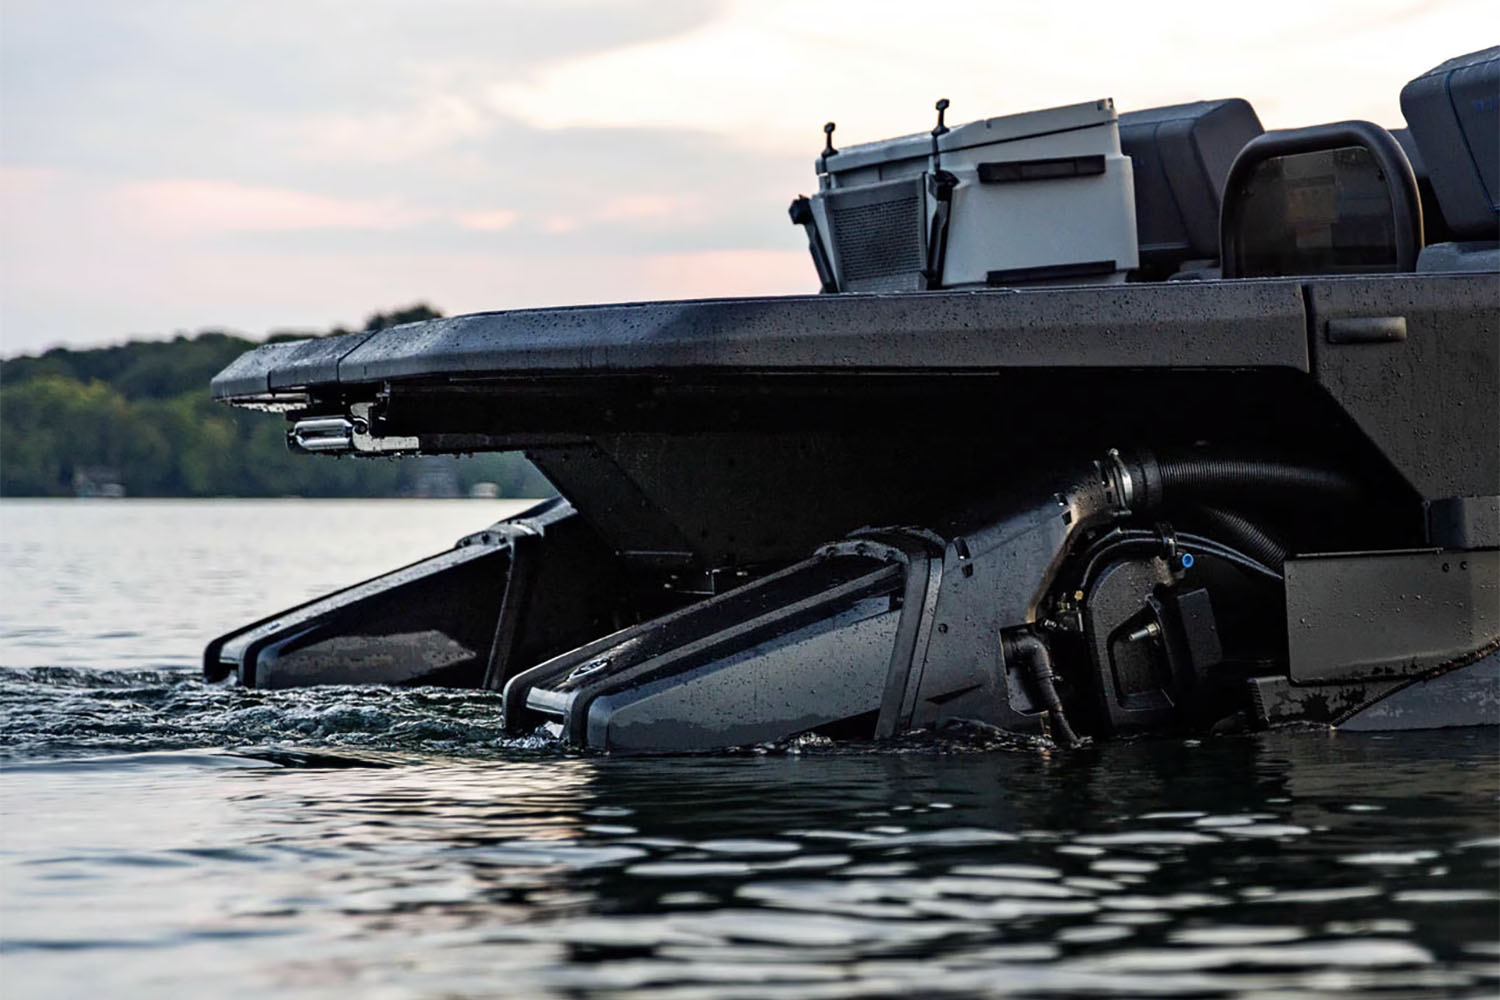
(1101, 424)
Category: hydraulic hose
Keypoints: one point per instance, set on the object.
(1032, 651)
(1244, 535)
(1121, 540)
(1149, 483)
(1214, 487)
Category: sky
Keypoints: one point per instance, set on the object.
(176, 165)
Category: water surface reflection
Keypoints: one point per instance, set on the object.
(1285, 862)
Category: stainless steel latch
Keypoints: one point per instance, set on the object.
(323, 434)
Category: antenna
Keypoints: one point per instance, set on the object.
(942, 106)
(941, 129)
(828, 149)
(940, 185)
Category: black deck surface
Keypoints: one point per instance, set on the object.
(1218, 324)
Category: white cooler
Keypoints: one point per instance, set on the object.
(1044, 197)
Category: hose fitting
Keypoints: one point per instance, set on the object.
(1030, 650)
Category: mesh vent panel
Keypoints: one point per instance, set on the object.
(878, 240)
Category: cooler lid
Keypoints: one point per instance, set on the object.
(986, 131)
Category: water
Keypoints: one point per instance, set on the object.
(159, 836)
(99, 583)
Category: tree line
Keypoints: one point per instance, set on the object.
(137, 418)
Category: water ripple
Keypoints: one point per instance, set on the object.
(59, 710)
(344, 840)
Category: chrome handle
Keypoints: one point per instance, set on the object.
(323, 434)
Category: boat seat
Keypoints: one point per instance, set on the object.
(1459, 255)
(1453, 140)
(1453, 112)
(1180, 157)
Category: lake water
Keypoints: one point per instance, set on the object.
(162, 837)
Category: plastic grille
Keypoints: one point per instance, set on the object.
(879, 239)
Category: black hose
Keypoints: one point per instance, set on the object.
(1140, 539)
(1195, 480)
(1244, 535)
(1111, 544)
(1032, 650)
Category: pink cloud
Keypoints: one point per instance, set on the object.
(645, 206)
(192, 205)
(715, 273)
(491, 221)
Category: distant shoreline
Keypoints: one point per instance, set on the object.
(136, 420)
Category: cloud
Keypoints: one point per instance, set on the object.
(636, 213)
(413, 133)
(198, 206)
(770, 72)
(647, 206)
(208, 84)
(712, 274)
(491, 221)
(301, 162)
